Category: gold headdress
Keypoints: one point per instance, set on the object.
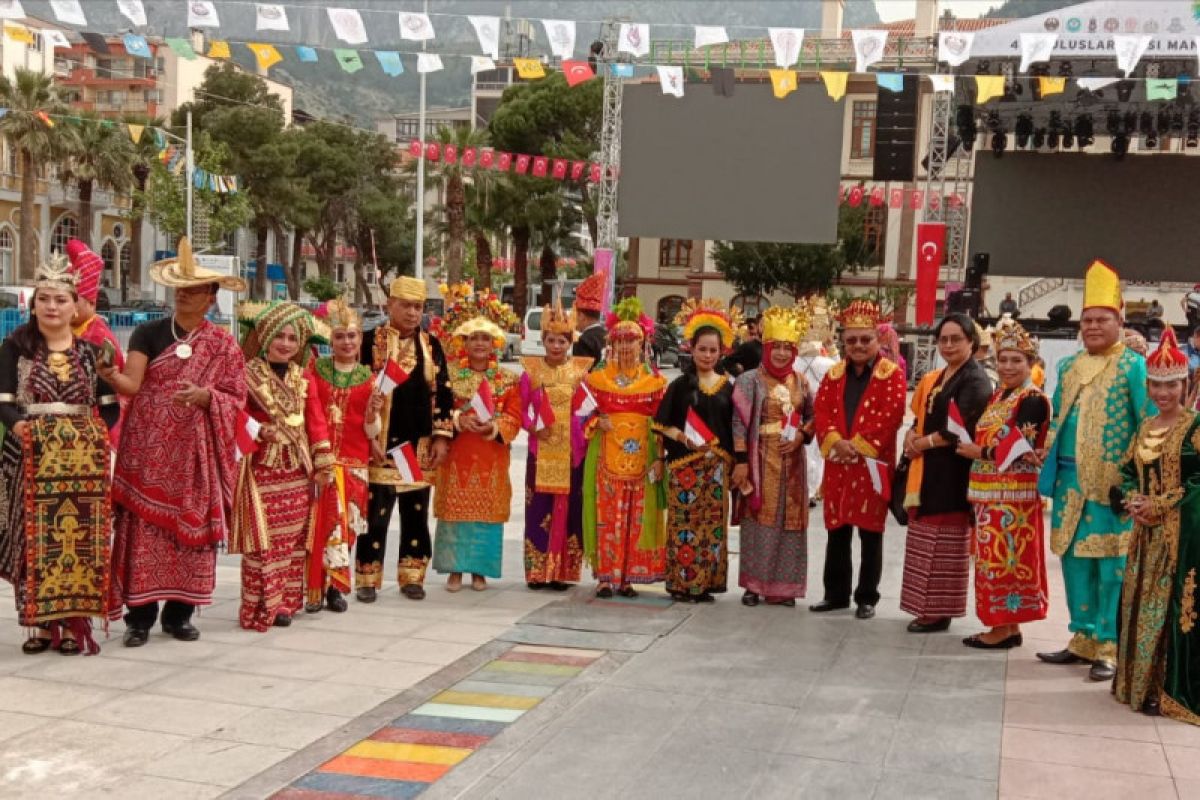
(821, 317)
(785, 324)
(860, 314)
(1167, 363)
(555, 319)
(469, 311)
(1010, 335)
(708, 313)
(55, 274)
(1102, 288)
(407, 288)
(340, 315)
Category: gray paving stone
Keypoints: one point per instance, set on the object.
(748, 726)
(788, 777)
(565, 637)
(968, 751)
(608, 618)
(903, 785)
(683, 768)
(853, 738)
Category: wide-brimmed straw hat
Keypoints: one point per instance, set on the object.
(182, 272)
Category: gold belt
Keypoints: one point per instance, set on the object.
(57, 409)
(768, 428)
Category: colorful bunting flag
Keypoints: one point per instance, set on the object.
(55, 39)
(266, 54)
(1129, 50)
(389, 62)
(1049, 86)
(181, 48)
(786, 42)
(1162, 88)
(868, 47)
(529, 68)
(307, 55)
(45, 118)
(783, 82)
(835, 84)
(671, 80)
(561, 35)
(942, 83)
(954, 47)
(480, 64)
(522, 165)
(133, 10)
(621, 70)
(136, 46)
(348, 59)
(1095, 84)
(577, 72)
(270, 17)
(707, 35)
(487, 30)
(1036, 48)
(541, 165)
(415, 27)
(347, 25)
(135, 131)
(11, 9)
(892, 81)
(202, 14)
(634, 38)
(18, 34)
(219, 49)
(68, 12)
(429, 62)
(988, 87)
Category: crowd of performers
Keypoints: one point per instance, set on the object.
(298, 464)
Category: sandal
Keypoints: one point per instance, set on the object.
(478, 583)
(454, 582)
(604, 592)
(68, 647)
(627, 591)
(35, 644)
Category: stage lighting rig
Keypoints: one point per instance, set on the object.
(1039, 138)
(1193, 129)
(964, 120)
(1023, 130)
(1164, 121)
(1112, 123)
(1120, 145)
(1084, 131)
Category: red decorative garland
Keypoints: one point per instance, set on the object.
(894, 197)
(487, 158)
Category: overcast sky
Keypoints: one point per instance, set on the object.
(892, 10)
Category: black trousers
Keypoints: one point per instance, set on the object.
(839, 566)
(415, 544)
(174, 613)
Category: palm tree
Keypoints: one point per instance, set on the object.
(145, 153)
(451, 178)
(28, 96)
(100, 155)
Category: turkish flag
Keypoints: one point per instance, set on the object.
(451, 153)
(856, 196)
(935, 202)
(559, 168)
(596, 173)
(896, 198)
(841, 195)
(577, 72)
(433, 151)
(414, 148)
(522, 164)
(577, 168)
(540, 165)
(468, 156)
(877, 197)
(931, 253)
(487, 159)
(955, 200)
(504, 161)
(916, 199)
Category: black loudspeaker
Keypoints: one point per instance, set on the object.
(978, 270)
(964, 301)
(896, 132)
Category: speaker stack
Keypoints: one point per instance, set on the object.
(896, 132)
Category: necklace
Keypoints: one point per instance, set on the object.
(183, 349)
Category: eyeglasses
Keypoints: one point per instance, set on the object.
(856, 340)
(951, 339)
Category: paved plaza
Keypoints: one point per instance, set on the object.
(641, 698)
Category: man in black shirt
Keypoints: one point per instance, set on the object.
(417, 413)
(589, 301)
(747, 355)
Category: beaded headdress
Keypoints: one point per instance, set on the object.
(264, 321)
(340, 315)
(860, 314)
(469, 311)
(708, 313)
(589, 294)
(55, 274)
(1167, 363)
(785, 324)
(627, 322)
(555, 319)
(1011, 335)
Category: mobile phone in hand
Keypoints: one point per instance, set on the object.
(107, 355)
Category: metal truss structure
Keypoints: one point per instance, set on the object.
(610, 138)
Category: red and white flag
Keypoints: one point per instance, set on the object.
(246, 437)
(1010, 448)
(586, 402)
(955, 423)
(931, 253)
(791, 427)
(695, 431)
(391, 376)
(482, 403)
(878, 470)
(541, 413)
(406, 462)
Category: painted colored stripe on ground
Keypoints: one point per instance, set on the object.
(486, 700)
(362, 787)
(469, 712)
(531, 667)
(547, 658)
(379, 768)
(450, 725)
(493, 676)
(470, 741)
(490, 687)
(558, 651)
(312, 794)
(426, 754)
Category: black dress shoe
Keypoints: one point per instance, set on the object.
(313, 608)
(1007, 643)
(864, 611)
(413, 591)
(536, 585)
(1063, 656)
(604, 592)
(282, 620)
(1152, 708)
(1102, 671)
(334, 600)
(937, 626)
(365, 594)
(559, 586)
(788, 602)
(184, 632)
(750, 599)
(827, 605)
(135, 637)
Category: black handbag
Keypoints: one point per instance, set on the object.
(899, 489)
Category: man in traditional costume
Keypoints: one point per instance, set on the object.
(88, 266)
(1099, 402)
(417, 413)
(176, 467)
(858, 411)
(589, 303)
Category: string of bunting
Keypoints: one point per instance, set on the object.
(878, 196)
(519, 163)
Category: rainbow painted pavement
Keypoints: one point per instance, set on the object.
(404, 758)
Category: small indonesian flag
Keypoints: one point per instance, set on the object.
(878, 471)
(695, 431)
(482, 403)
(391, 376)
(541, 413)
(406, 462)
(955, 424)
(791, 427)
(246, 436)
(587, 402)
(1010, 448)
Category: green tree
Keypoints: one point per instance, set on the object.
(323, 288)
(101, 155)
(145, 155)
(26, 95)
(453, 180)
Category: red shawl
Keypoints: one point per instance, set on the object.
(176, 467)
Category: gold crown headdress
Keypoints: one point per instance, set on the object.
(340, 315)
(708, 313)
(555, 319)
(474, 311)
(1010, 335)
(1167, 363)
(786, 325)
(1102, 288)
(860, 314)
(55, 274)
(821, 317)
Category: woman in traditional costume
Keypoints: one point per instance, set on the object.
(699, 457)
(348, 394)
(622, 523)
(553, 486)
(275, 490)
(1009, 547)
(771, 423)
(472, 495)
(54, 471)
(937, 551)
(1158, 648)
